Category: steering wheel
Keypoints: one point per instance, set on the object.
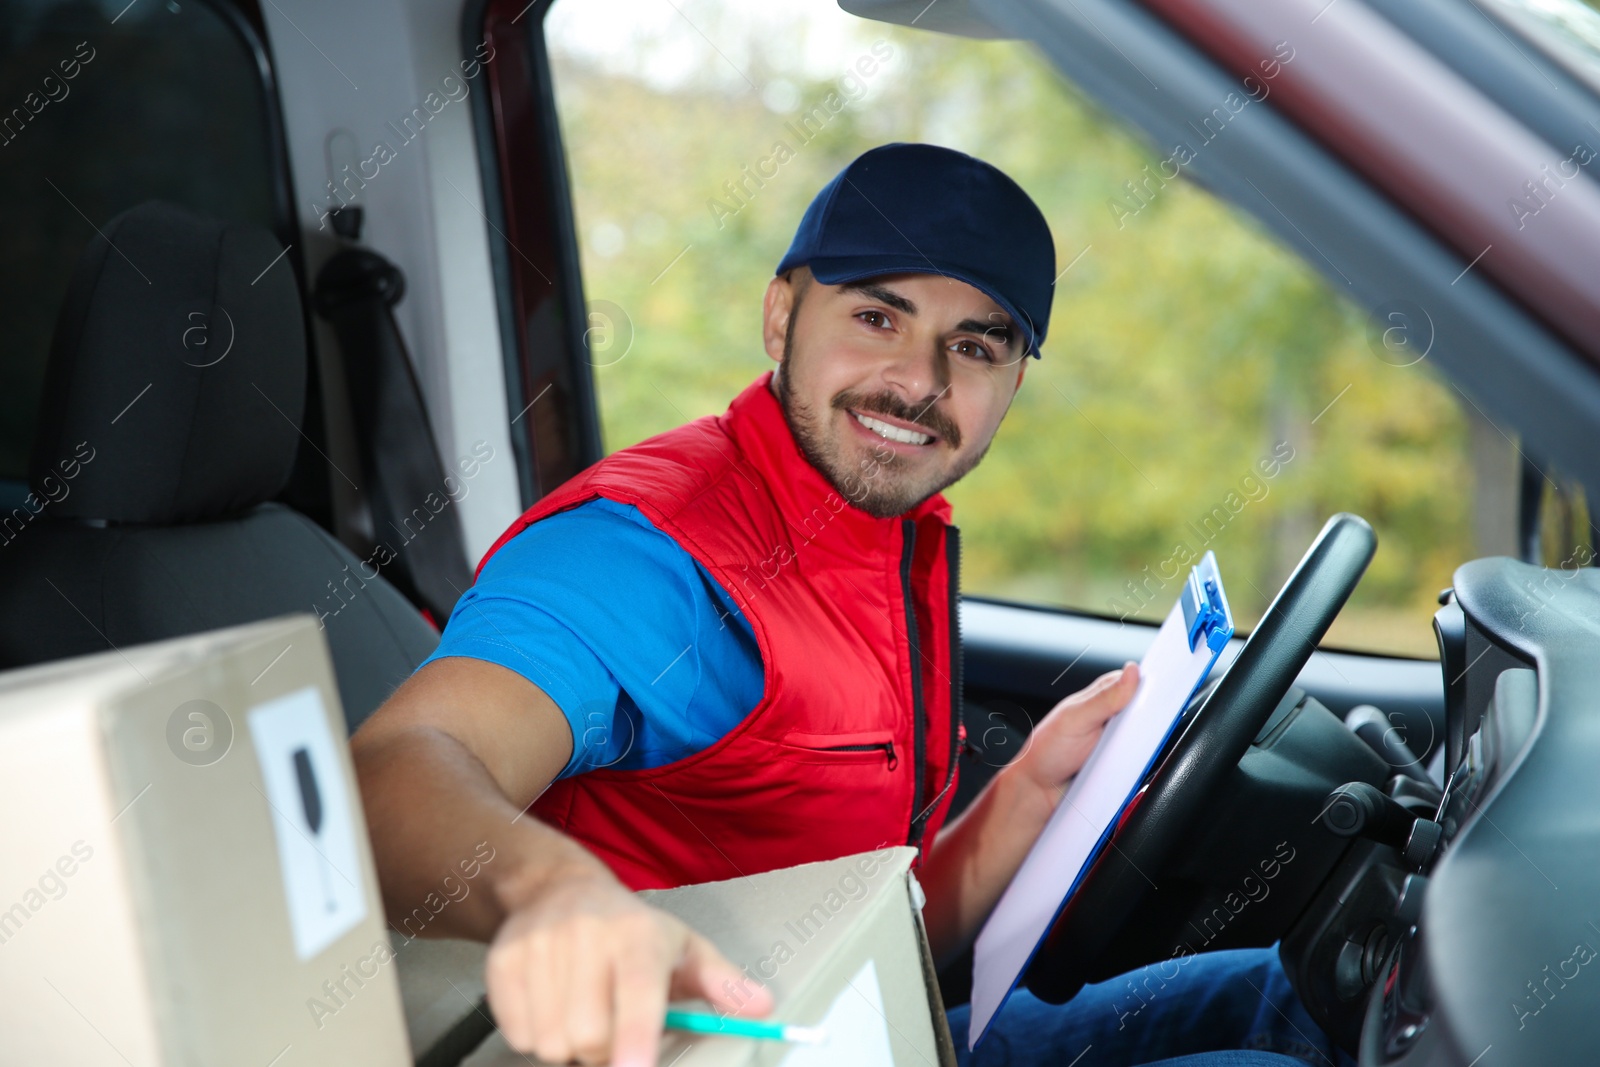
(1210, 746)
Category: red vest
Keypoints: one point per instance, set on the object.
(854, 742)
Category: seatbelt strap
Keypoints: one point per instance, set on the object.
(403, 478)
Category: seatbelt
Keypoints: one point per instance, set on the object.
(403, 478)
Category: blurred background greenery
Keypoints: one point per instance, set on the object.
(1185, 343)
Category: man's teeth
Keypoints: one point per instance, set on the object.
(893, 433)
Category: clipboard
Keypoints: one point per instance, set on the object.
(1186, 647)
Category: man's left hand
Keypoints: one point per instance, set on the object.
(976, 856)
(1063, 739)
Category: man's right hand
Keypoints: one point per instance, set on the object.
(582, 969)
(579, 967)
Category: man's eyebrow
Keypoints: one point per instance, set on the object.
(882, 295)
(1003, 327)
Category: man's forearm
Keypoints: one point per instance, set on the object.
(975, 858)
(434, 812)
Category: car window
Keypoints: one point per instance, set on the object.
(1202, 387)
(104, 105)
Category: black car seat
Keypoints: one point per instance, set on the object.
(170, 419)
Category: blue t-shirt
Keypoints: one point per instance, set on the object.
(645, 653)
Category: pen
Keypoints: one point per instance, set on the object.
(705, 1023)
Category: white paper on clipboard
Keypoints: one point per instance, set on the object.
(1169, 676)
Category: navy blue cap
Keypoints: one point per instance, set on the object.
(922, 209)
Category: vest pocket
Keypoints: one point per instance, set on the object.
(868, 746)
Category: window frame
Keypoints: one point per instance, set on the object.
(528, 200)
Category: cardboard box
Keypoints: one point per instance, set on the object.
(186, 879)
(840, 944)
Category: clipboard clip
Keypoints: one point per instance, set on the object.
(1204, 612)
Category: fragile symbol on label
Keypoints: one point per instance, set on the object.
(311, 819)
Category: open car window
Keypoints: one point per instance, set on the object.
(1202, 387)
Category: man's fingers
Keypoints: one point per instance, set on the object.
(1123, 675)
(507, 979)
(705, 972)
(588, 976)
(589, 996)
(1113, 689)
(546, 998)
(641, 1005)
(1089, 708)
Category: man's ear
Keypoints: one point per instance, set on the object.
(776, 307)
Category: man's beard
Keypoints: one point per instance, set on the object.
(880, 484)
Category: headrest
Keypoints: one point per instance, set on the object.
(177, 373)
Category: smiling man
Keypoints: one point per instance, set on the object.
(733, 648)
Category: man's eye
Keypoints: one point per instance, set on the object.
(874, 318)
(973, 350)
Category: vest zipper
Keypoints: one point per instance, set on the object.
(952, 544)
(957, 723)
(914, 832)
(887, 746)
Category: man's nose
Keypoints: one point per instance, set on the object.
(920, 372)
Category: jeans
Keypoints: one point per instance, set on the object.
(1213, 1009)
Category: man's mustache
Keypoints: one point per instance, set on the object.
(886, 403)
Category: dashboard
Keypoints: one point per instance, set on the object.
(1489, 928)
